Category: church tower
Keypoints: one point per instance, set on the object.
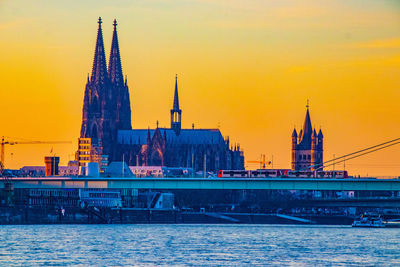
(307, 147)
(176, 112)
(119, 87)
(99, 106)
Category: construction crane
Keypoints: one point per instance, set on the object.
(262, 161)
(8, 142)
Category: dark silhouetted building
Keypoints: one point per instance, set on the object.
(307, 146)
(106, 120)
(106, 106)
(51, 165)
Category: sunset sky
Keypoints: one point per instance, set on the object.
(247, 67)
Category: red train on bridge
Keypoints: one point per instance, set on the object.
(281, 173)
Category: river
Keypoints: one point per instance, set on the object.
(199, 245)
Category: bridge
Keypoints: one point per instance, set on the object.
(359, 184)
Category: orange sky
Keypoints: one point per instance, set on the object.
(246, 66)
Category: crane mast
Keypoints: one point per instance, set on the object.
(262, 161)
(2, 155)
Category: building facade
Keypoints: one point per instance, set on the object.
(106, 120)
(307, 146)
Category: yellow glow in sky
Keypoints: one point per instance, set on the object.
(245, 66)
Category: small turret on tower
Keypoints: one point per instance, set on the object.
(294, 139)
(320, 147)
(314, 135)
(320, 136)
(313, 148)
(294, 144)
(294, 135)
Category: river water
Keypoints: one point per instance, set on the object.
(199, 245)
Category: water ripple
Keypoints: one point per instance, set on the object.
(186, 245)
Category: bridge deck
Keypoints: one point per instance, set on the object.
(207, 183)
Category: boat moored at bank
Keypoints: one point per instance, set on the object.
(369, 221)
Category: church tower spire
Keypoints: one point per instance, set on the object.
(98, 119)
(120, 90)
(176, 96)
(115, 67)
(307, 152)
(307, 131)
(99, 69)
(176, 112)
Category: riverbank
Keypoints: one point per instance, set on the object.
(47, 215)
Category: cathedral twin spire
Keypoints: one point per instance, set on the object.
(115, 86)
(106, 106)
(115, 67)
(107, 87)
(99, 70)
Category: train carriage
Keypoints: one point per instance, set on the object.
(281, 173)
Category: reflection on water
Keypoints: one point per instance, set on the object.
(116, 245)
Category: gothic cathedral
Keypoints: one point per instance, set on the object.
(106, 122)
